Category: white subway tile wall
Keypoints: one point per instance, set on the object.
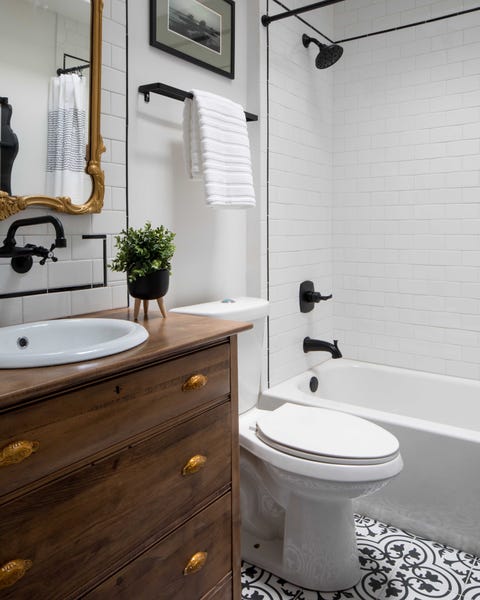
(300, 191)
(406, 210)
(81, 263)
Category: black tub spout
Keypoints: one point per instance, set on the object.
(311, 345)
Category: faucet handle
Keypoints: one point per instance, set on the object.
(47, 254)
(316, 296)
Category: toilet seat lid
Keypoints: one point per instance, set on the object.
(326, 435)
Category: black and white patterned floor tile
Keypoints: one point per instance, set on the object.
(395, 565)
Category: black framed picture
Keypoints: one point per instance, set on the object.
(200, 31)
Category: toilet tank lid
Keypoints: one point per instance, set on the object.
(236, 309)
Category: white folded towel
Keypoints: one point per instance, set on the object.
(217, 148)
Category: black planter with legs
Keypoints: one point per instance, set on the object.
(149, 287)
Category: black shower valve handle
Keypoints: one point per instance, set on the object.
(316, 297)
(308, 297)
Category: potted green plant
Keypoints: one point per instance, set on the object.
(145, 254)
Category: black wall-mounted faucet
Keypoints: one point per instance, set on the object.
(308, 297)
(311, 345)
(21, 256)
(60, 241)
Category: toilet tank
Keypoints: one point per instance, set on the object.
(250, 343)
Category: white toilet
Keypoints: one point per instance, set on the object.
(300, 468)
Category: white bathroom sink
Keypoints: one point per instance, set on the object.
(63, 341)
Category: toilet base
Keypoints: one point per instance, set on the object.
(318, 551)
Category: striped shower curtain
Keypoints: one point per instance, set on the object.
(66, 136)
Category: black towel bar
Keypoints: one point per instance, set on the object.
(176, 94)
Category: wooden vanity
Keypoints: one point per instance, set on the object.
(119, 476)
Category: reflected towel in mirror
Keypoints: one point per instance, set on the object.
(66, 136)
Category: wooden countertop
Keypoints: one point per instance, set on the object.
(174, 335)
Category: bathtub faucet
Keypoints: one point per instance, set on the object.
(310, 345)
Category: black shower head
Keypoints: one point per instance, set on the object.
(327, 56)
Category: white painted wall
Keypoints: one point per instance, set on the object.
(300, 190)
(407, 187)
(213, 253)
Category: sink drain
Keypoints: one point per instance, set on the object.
(22, 342)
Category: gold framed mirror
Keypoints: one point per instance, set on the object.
(12, 204)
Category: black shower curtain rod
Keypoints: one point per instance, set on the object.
(266, 20)
(424, 22)
(64, 70)
(72, 69)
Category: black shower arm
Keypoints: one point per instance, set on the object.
(310, 40)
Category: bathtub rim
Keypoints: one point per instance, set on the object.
(289, 391)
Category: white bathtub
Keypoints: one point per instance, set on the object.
(437, 421)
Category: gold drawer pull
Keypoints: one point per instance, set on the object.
(12, 571)
(17, 451)
(195, 382)
(196, 563)
(196, 463)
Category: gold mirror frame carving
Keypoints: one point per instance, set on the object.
(10, 205)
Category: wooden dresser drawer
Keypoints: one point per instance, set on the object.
(223, 590)
(69, 427)
(95, 519)
(159, 573)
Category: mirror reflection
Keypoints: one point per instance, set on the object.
(44, 91)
